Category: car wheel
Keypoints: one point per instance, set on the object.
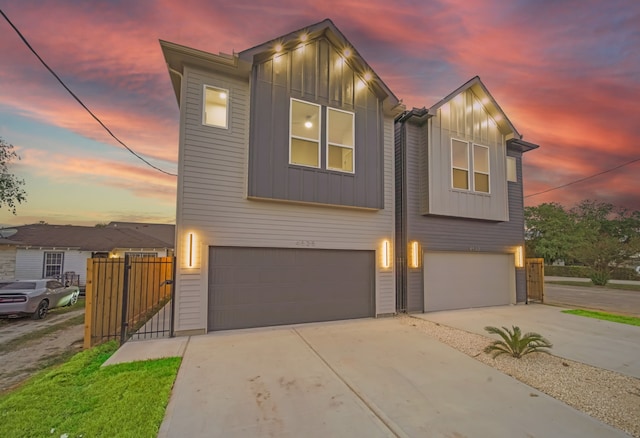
(41, 311)
(73, 300)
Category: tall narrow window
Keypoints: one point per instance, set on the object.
(304, 146)
(460, 164)
(53, 264)
(480, 168)
(512, 174)
(216, 107)
(340, 144)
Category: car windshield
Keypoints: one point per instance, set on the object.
(17, 285)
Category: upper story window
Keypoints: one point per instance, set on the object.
(216, 107)
(480, 168)
(340, 144)
(470, 159)
(304, 147)
(460, 164)
(306, 124)
(53, 264)
(512, 174)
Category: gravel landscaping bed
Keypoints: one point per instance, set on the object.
(610, 397)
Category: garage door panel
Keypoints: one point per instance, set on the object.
(464, 280)
(253, 287)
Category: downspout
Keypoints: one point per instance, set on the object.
(401, 210)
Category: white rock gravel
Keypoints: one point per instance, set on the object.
(610, 397)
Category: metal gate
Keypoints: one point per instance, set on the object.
(129, 298)
(535, 279)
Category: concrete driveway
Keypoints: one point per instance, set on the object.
(362, 378)
(603, 344)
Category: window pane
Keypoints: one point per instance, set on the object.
(215, 106)
(340, 158)
(480, 159)
(511, 170)
(459, 154)
(460, 179)
(304, 152)
(305, 120)
(481, 182)
(340, 127)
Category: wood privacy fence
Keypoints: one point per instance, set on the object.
(124, 294)
(535, 279)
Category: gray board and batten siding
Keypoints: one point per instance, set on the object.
(446, 233)
(214, 208)
(313, 73)
(258, 287)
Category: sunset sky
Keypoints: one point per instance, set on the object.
(566, 72)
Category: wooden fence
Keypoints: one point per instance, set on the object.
(124, 293)
(535, 279)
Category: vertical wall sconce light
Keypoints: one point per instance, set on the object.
(414, 254)
(386, 254)
(519, 257)
(190, 264)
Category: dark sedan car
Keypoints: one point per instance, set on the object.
(34, 297)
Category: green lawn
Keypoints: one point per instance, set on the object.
(635, 287)
(606, 316)
(79, 398)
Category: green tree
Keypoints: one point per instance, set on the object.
(11, 191)
(550, 232)
(607, 237)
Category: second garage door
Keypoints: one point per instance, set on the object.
(256, 287)
(454, 280)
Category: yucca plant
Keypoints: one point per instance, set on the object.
(515, 343)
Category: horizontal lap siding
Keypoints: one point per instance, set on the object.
(212, 204)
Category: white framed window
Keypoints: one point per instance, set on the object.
(304, 138)
(215, 107)
(481, 168)
(459, 164)
(340, 140)
(512, 173)
(53, 262)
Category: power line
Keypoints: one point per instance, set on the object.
(24, 40)
(585, 178)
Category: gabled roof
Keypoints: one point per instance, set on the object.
(84, 238)
(490, 104)
(163, 232)
(240, 64)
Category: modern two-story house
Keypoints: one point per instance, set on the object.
(459, 204)
(306, 191)
(285, 210)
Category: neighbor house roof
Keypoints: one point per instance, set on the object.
(84, 238)
(164, 232)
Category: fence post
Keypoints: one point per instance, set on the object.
(88, 305)
(173, 295)
(125, 298)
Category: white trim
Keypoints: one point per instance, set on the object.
(204, 106)
(291, 136)
(353, 141)
(488, 173)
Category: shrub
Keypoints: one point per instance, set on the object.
(514, 343)
(584, 272)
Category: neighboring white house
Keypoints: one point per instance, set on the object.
(51, 251)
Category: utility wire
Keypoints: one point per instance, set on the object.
(585, 178)
(24, 40)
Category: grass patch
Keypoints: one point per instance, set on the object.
(635, 287)
(605, 316)
(18, 342)
(81, 399)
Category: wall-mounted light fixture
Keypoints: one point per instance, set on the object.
(414, 254)
(386, 254)
(519, 257)
(190, 262)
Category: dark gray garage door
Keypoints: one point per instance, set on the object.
(256, 287)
